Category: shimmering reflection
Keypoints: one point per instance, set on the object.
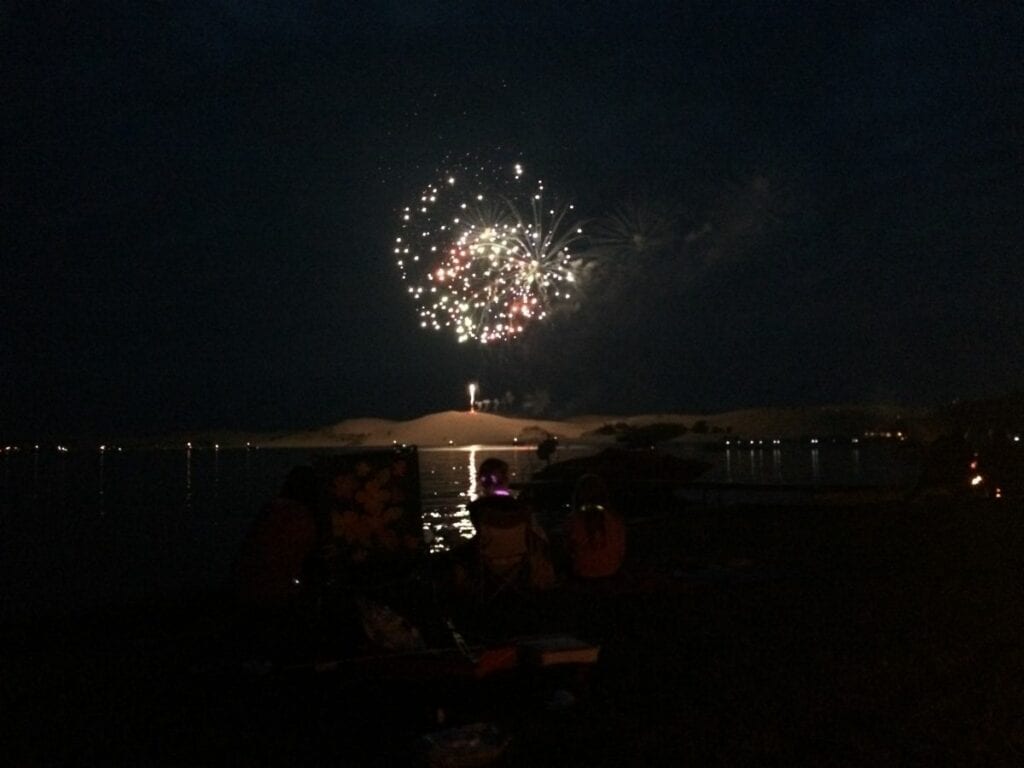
(49, 496)
(471, 466)
(188, 477)
(756, 464)
(216, 474)
(446, 501)
(103, 457)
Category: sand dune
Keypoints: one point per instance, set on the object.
(469, 428)
(437, 429)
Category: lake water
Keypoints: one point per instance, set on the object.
(83, 529)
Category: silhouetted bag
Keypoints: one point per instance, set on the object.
(467, 746)
(540, 569)
(388, 630)
(596, 538)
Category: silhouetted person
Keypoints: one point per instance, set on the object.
(280, 568)
(547, 449)
(595, 533)
(279, 551)
(500, 519)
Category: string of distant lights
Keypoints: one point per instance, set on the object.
(486, 253)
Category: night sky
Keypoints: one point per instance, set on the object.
(198, 202)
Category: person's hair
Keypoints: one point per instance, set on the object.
(493, 472)
(590, 489)
(301, 485)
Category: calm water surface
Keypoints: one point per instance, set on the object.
(82, 529)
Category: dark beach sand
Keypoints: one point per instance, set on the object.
(868, 635)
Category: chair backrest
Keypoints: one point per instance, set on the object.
(502, 545)
(503, 548)
(371, 510)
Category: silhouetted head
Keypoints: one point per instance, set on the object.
(301, 485)
(493, 476)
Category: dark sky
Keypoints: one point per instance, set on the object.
(198, 201)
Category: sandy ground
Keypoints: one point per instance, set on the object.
(870, 635)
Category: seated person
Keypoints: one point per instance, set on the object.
(595, 533)
(281, 545)
(280, 572)
(508, 536)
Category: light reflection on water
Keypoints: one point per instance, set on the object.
(232, 482)
(880, 465)
(188, 478)
(84, 525)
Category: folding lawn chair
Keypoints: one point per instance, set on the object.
(502, 552)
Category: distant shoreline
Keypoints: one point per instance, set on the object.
(467, 428)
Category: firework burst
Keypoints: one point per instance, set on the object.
(485, 254)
